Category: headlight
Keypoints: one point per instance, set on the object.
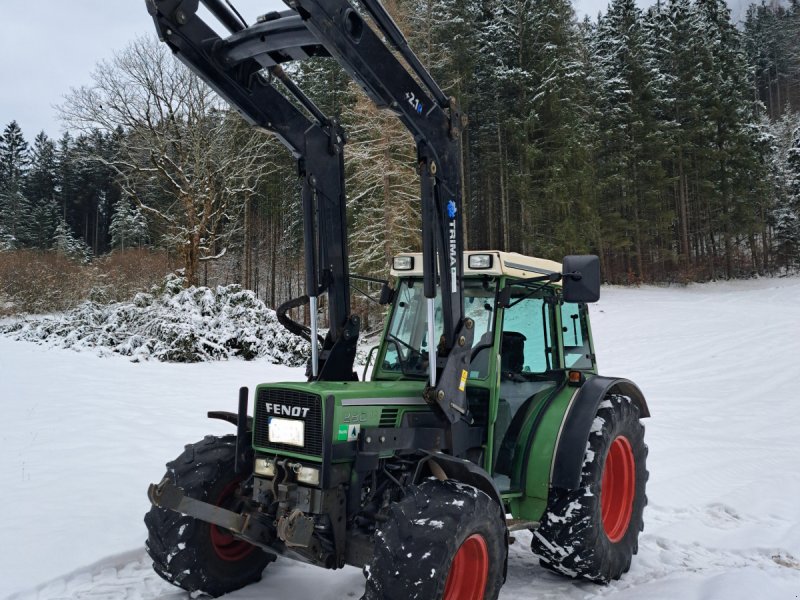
(265, 467)
(308, 475)
(480, 261)
(403, 263)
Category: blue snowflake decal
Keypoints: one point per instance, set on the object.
(451, 209)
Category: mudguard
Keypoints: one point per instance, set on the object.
(578, 424)
(460, 470)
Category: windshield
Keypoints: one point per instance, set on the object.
(406, 339)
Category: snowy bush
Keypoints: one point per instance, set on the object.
(173, 324)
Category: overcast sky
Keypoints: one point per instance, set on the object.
(50, 46)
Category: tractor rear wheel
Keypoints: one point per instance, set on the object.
(443, 541)
(592, 532)
(192, 554)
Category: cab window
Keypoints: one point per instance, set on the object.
(575, 336)
(527, 335)
(407, 336)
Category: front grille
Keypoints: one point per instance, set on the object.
(388, 417)
(313, 419)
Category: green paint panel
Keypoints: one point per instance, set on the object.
(532, 504)
(357, 405)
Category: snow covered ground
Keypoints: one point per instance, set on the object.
(82, 436)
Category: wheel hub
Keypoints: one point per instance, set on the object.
(227, 547)
(468, 571)
(618, 489)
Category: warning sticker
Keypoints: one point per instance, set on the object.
(348, 433)
(463, 383)
(352, 432)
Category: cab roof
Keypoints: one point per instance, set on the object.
(502, 263)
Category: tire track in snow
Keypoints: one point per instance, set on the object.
(715, 514)
(660, 558)
(130, 576)
(127, 576)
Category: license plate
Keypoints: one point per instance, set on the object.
(287, 431)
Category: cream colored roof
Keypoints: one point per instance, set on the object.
(503, 263)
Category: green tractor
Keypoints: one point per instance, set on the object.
(354, 473)
(479, 414)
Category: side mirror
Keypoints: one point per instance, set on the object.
(581, 278)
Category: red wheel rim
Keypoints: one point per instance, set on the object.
(469, 571)
(227, 547)
(618, 489)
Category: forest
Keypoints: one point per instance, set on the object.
(666, 141)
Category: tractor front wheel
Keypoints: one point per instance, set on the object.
(592, 532)
(192, 554)
(443, 541)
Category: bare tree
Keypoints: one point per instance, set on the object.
(184, 157)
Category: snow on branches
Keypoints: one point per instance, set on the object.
(171, 324)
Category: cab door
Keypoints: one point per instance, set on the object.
(529, 359)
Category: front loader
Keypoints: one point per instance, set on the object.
(480, 413)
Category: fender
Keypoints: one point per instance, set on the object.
(577, 425)
(460, 470)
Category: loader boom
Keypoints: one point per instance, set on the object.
(243, 68)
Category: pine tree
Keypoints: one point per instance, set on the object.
(528, 129)
(630, 152)
(95, 189)
(66, 174)
(128, 225)
(7, 241)
(786, 214)
(15, 210)
(547, 116)
(447, 35)
(734, 167)
(771, 32)
(66, 244)
(42, 189)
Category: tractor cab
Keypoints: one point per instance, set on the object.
(527, 341)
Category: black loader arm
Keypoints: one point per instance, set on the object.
(436, 123)
(242, 68)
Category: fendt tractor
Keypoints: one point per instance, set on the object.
(479, 414)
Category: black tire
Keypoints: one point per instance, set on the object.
(573, 539)
(181, 547)
(415, 547)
